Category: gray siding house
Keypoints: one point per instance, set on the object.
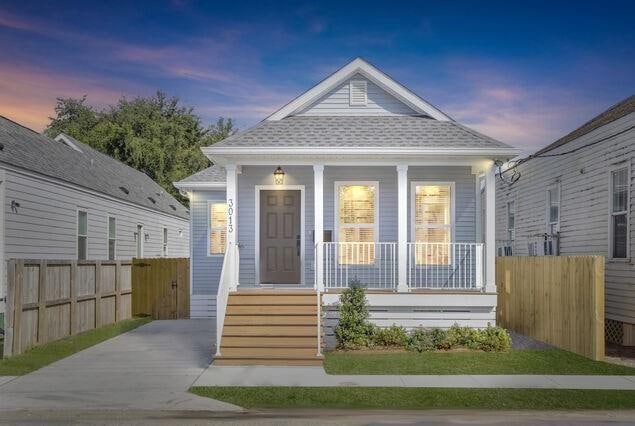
(575, 197)
(356, 180)
(61, 199)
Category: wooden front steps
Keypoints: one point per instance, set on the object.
(270, 327)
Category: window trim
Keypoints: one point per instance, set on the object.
(624, 165)
(140, 241)
(77, 210)
(108, 217)
(336, 203)
(165, 234)
(413, 207)
(209, 228)
(507, 210)
(548, 207)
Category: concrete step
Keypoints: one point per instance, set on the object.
(223, 360)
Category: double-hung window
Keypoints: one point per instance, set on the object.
(357, 222)
(164, 250)
(553, 209)
(217, 228)
(432, 218)
(619, 200)
(511, 220)
(112, 238)
(82, 234)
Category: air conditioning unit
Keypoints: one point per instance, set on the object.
(544, 245)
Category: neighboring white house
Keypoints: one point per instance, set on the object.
(357, 179)
(61, 199)
(575, 197)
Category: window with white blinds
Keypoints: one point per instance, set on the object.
(217, 227)
(357, 222)
(432, 222)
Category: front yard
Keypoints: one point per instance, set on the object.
(526, 361)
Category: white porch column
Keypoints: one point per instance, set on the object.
(318, 226)
(490, 229)
(402, 227)
(232, 207)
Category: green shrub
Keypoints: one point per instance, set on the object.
(457, 337)
(439, 338)
(421, 340)
(494, 339)
(353, 330)
(393, 336)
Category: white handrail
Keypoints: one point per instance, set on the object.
(228, 280)
(445, 265)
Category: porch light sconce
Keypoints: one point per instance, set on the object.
(278, 176)
(147, 237)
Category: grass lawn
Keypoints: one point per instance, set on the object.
(418, 398)
(43, 355)
(528, 361)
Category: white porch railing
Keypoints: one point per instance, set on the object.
(228, 282)
(445, 266)
(372, 265)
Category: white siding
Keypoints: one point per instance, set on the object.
(584, 177)
(337, 102)
(45, 224)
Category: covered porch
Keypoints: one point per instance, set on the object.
(401, 228)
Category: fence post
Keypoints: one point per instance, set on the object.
(42, 329)
(97, 293)
(73, 296)
(598, 307)
(117, 290)
(10, 309)
(17, 312)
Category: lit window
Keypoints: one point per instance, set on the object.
(357, 223)
(217, 228)
(432, 223)
(82, 234)
(112, 237)
(553, 209)
(619, 203)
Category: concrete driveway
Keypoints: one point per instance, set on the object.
(149, 368)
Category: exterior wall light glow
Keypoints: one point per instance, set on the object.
(278, 176)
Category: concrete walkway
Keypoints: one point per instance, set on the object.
(149, 368)
(317, 377)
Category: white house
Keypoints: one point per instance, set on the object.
(575, 197)
(63, 200)
(356, 180)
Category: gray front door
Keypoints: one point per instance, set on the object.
(280, 236)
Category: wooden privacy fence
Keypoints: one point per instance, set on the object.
(556, 299)
(51, 299)
(161, 288)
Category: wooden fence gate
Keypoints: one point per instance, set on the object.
(161, 288)
(555, 299)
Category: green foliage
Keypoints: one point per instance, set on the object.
(462, 337)
(393, 336)
(494, 339)
(156, 135)
(421, 341)
(353, 330)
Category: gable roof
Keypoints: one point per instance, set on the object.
(615, 112)
(364, 68)
(72, 161)
(212, 177)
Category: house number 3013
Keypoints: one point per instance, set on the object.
(230, 215)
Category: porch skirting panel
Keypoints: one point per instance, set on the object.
(417, 310)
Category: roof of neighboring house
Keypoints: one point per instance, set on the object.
(72, 161)
(359, 132)
(212, 174)
(615, 112)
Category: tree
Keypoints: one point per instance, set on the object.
(155, 135)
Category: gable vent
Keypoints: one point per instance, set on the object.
(357, 92)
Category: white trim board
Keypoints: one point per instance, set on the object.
(257, 190)
(359, 66)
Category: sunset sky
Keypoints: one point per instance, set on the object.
(525, 75)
